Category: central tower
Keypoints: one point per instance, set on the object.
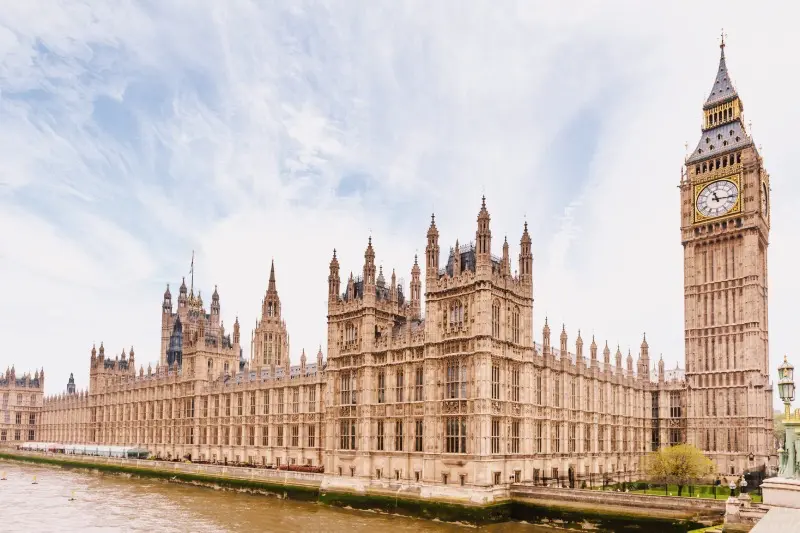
(725, 210)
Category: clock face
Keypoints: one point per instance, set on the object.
(764, 199)
(717, 198)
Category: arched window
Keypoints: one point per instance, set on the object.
(456, 314)
(210, 365)
(515, 325)
(350, 333)
(496, 319)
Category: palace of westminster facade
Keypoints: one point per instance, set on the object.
(464, 395)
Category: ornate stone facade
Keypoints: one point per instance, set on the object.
(725, 218)
(461, 395)
(21, 401)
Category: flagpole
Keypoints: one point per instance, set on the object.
(191, 270)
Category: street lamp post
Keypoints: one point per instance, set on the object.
(786, 385)
(786, 392)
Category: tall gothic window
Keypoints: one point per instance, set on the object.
(515, 436)
(380, 435)
(515, 325)
(574, 394)
(348, 390)
(496, 319)
(312, 399)
(418, 435)
(495, 435)
(398, 435)
(515, 384)
(675, 404)
(399, 383)
(587, 445)
(347, 433)
(537, 436)
(557, 391)
(456, 434)
(538, 386)
(457, 314)
(456, 382)
(350, 333)
(571, 438)
(555, 438)
(382, 386)
(418, 381)
(495, 382)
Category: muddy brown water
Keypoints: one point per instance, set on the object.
(71, 500)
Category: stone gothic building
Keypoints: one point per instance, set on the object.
(461, 394)
(21, 399)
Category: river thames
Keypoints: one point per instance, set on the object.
(117, 503)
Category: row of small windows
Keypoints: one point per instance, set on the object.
(718, 163)
(719, 116)
(257, 403)
(563, 437)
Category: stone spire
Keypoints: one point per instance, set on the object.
(369, 266)
(546, 338)
(593, 350)
(432, 251)
(525, 257)
(506, 261)
(483, 241)
(579, 346)
(333, 279)
(416, 291)
(723, 85)
(271, 307)
(563, 339)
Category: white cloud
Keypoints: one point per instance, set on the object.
(249, 132)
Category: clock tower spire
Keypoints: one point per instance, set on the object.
(725, 234)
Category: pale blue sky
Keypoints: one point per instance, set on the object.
(132, 133)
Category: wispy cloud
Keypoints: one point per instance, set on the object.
(132, 133)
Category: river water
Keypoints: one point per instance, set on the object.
(116, 503)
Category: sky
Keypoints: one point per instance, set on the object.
(134, 133)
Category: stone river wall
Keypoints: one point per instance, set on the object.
(565, 508)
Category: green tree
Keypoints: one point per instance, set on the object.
(681, 465)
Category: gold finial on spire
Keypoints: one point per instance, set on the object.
(722, 38)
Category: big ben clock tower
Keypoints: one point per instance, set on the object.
(725, 212)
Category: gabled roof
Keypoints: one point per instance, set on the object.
(720, 140)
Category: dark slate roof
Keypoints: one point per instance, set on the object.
(723, 86)
(733, 137)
